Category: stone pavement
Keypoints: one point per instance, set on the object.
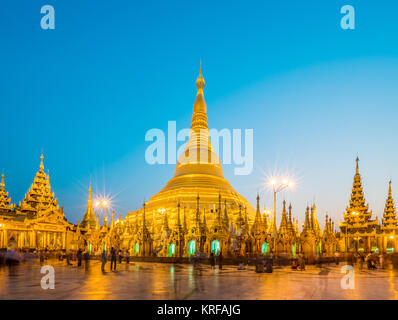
(166, 281)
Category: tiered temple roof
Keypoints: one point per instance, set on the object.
(39, 196)
(358, 216)
(390, 221)
(315, 223)
(5, 201)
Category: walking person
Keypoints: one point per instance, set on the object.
(212, 261)
(220, 260)
(79, 257)
(120, 256)
(127, 257)
(103, 261)
(67, 258)
(113, 259)
(302, 262)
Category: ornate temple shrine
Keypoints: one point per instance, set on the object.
(198, 211)
(37, 222)
(361, 233)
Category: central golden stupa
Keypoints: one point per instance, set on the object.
(198, 174)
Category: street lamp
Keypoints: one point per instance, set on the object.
(277, 187)
(103, 204)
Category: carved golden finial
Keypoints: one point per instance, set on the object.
(200, 81)
(389, 189)
(41, 162)
(357, 168)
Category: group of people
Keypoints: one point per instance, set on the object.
(212, 260)
(114, 257)
(372, 260)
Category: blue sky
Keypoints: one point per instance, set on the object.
(86, 93)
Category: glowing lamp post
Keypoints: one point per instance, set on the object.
(102, 204)
(277, 187)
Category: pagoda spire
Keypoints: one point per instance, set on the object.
(390, 216)
(178, 215)
(315, 223)
(357, 209)
(5, 201)
(89, 220)
(284, 223)
(258, 214)
(226, 219)
(39, 196)
(219, 208)
(41, 169)
(307, 222)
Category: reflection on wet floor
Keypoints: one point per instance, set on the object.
(167, 281)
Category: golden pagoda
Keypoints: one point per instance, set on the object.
(358, 230)
(39, 196)
(89, 219)
(308, 237)
(198, 173)
(38, 223)
(5, 201)
(329, 240)
(390, 223)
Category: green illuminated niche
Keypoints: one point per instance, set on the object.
(172, 249)
(294, 250)
(191, 247)
(264, 248)
(89, 248)
(215, 247)
(137, 248)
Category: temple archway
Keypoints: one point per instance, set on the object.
(265, 248)
(172, 250)
(191, 248)
(215, 247)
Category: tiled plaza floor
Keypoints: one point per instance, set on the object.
(166, 281)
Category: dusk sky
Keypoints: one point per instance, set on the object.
(86, 93)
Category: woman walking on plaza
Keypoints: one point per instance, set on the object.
(113, 259)
(103, 261)
(212, 260)
(127, 257)
(220, 259)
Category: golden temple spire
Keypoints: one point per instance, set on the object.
(89, 219)
(42, 163)
(226, 219)
(284, 221)
(4, 199)
(357, 168)
(390, 216)
(178, 214)
(39, 196)
(357, 210)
